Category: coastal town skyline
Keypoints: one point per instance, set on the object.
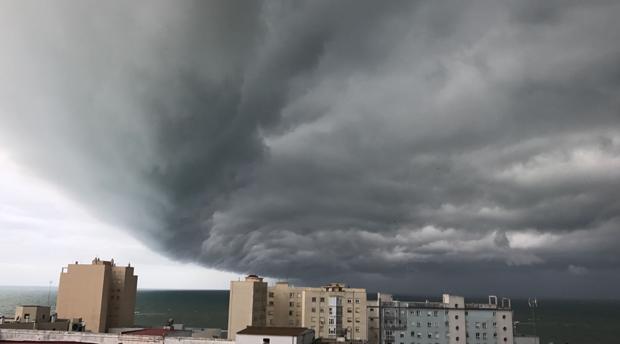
(471, 147)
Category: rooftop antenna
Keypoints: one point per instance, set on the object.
(532, 302)
(49, 292)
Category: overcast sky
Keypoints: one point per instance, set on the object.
(406, 146)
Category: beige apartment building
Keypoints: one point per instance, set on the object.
(332, 311)
(247, 304)
(102, 294)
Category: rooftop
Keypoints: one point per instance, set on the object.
(274, 331)
(160, 332)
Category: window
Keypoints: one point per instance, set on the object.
(270, 303)
(484, 325)
(291, 304)
(504, 328)
(417, 313)
(457, 339)
(322, 299)
(429, 324)
(477, 324)
(321, 310)
(290, 312)
(291, 295)
(265, 340)
(435, 313)
(313, 310)
(314, 299)
(456, 316)
(271, 294)
(429, 335)
(412, 333)
(428, 314)
(417, 324)
(484, 336)
(357, 300)
(349, 310)
(357, 329)
(477, 335)
(505, 339)
(349, 301)
(402, 335)
(504, 316)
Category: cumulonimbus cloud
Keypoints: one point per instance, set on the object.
(365, 141)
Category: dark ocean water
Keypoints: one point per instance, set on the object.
(557, 321)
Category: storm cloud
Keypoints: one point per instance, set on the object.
(411, 147)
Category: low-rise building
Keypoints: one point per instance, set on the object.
(30, 317)
(451, 321)
(275, 335)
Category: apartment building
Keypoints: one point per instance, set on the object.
(102, 294)
(332, 311)
(451, 321)
(247, 304)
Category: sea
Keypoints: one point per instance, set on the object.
(557, 321)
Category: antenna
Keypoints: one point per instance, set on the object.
(532, 302)
(49, 292)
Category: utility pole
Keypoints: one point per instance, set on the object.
(49, 292)
(533, 304)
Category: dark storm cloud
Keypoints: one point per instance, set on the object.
(411, 146)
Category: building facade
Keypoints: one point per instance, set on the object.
(247, 304)
(332, 311)
(451, 321)
(275, 335)
(102, 294)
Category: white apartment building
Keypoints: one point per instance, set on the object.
(451, 321)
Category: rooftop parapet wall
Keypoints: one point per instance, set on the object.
(99, 338)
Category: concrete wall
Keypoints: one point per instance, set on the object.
(258, 339)
(99, 338)
(122, 301)
(49, 326)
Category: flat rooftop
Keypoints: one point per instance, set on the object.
(274, 331)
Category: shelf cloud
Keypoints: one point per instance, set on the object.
(408, 146)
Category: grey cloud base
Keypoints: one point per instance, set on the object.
(469, 146)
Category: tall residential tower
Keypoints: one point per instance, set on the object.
(102, 294)
(247, 305)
